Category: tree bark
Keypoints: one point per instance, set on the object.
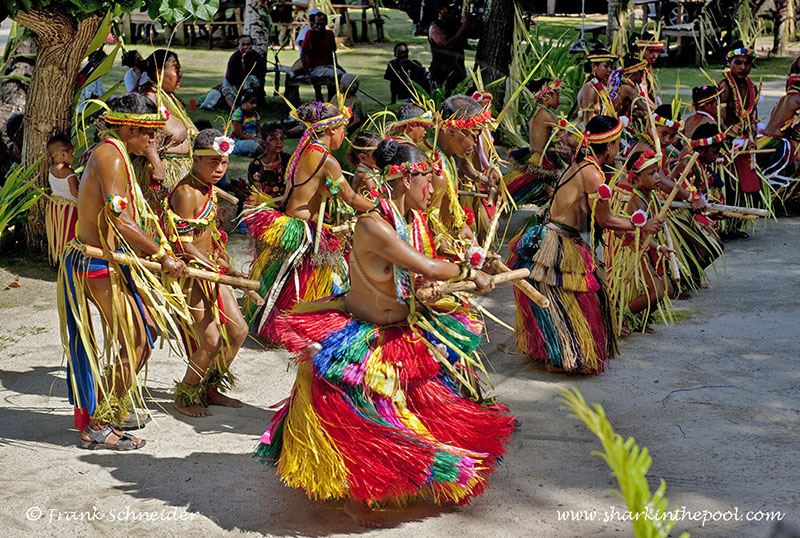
(255, 11)
(612, 28)
(62, 45)
(493, 56)
(12, 91)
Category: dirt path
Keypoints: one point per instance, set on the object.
(733, 445)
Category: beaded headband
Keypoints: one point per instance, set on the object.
(743, 51)
(705, 142)
(423, 120)
(364, 148)
(649, 44)
(641, 66)
(605, 57)
(153, 121)
(222, 146)
(707, 99)
(793, 80)
(661, 120)
(312, 129)
(547, 90)
(603, 138)
(397, 170)
(468, 123)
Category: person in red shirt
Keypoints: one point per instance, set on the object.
(317, 57)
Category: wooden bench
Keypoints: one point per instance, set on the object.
(680, 31)
(231, 28)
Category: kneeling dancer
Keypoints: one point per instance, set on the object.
(300, 258)
(374, 414)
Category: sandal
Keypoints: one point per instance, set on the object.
(134, 421)
(98, 438)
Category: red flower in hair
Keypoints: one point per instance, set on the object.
(224, 146)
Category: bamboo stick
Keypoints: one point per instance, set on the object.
(673, 260)
(426, 294)
(125, 259)
(473, 194)
(663, 212)
(493, 224)
(225, 195)
(522, 285)
(720, 208)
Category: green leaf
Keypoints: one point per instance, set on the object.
(202, 9)
(101, 35)
(105, 66)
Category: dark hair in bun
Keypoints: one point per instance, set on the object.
(391, 152)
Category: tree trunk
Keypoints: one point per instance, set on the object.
(495, 46)
(12, 91)
(62, 45)
(781, 30)
(256, 26)
(612, 28)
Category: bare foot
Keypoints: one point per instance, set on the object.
(704, 286)
(215, 397)
(555, 369)
(625, 330)
(649, 330)
(362, 514)
(196, 410)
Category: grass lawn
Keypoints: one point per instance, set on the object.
(204, 69)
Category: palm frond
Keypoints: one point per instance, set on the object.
(629, 464)
(18, 194)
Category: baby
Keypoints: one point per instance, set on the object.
(63, 180)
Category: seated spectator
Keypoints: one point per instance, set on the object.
(402, 71)
(246, 128)
(303, 31)
(135, 76)
(246, 71)
(316, 55)
(366, 176)
(266, 171)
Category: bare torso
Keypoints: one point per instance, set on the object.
(92, 196)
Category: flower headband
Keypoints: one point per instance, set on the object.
(153, 121)
(603, 138)
(743, 51)
(468, 123)
(705, 142)
(222, 146)
(398, 170)
(549, 88)
(645, 160)
(602, 57)
(649, 44)
(661, 120)
(793, 80)
(424, 120)
(483, 96)
(634, 68)
(708, 98)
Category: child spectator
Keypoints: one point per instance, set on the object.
(367, 177)
(246, 127)
(135, 76)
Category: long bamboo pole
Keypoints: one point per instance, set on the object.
(720, 208)
(426, 294)
(523, 285)
(125, 259)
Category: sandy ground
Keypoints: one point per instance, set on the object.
(714, 398)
